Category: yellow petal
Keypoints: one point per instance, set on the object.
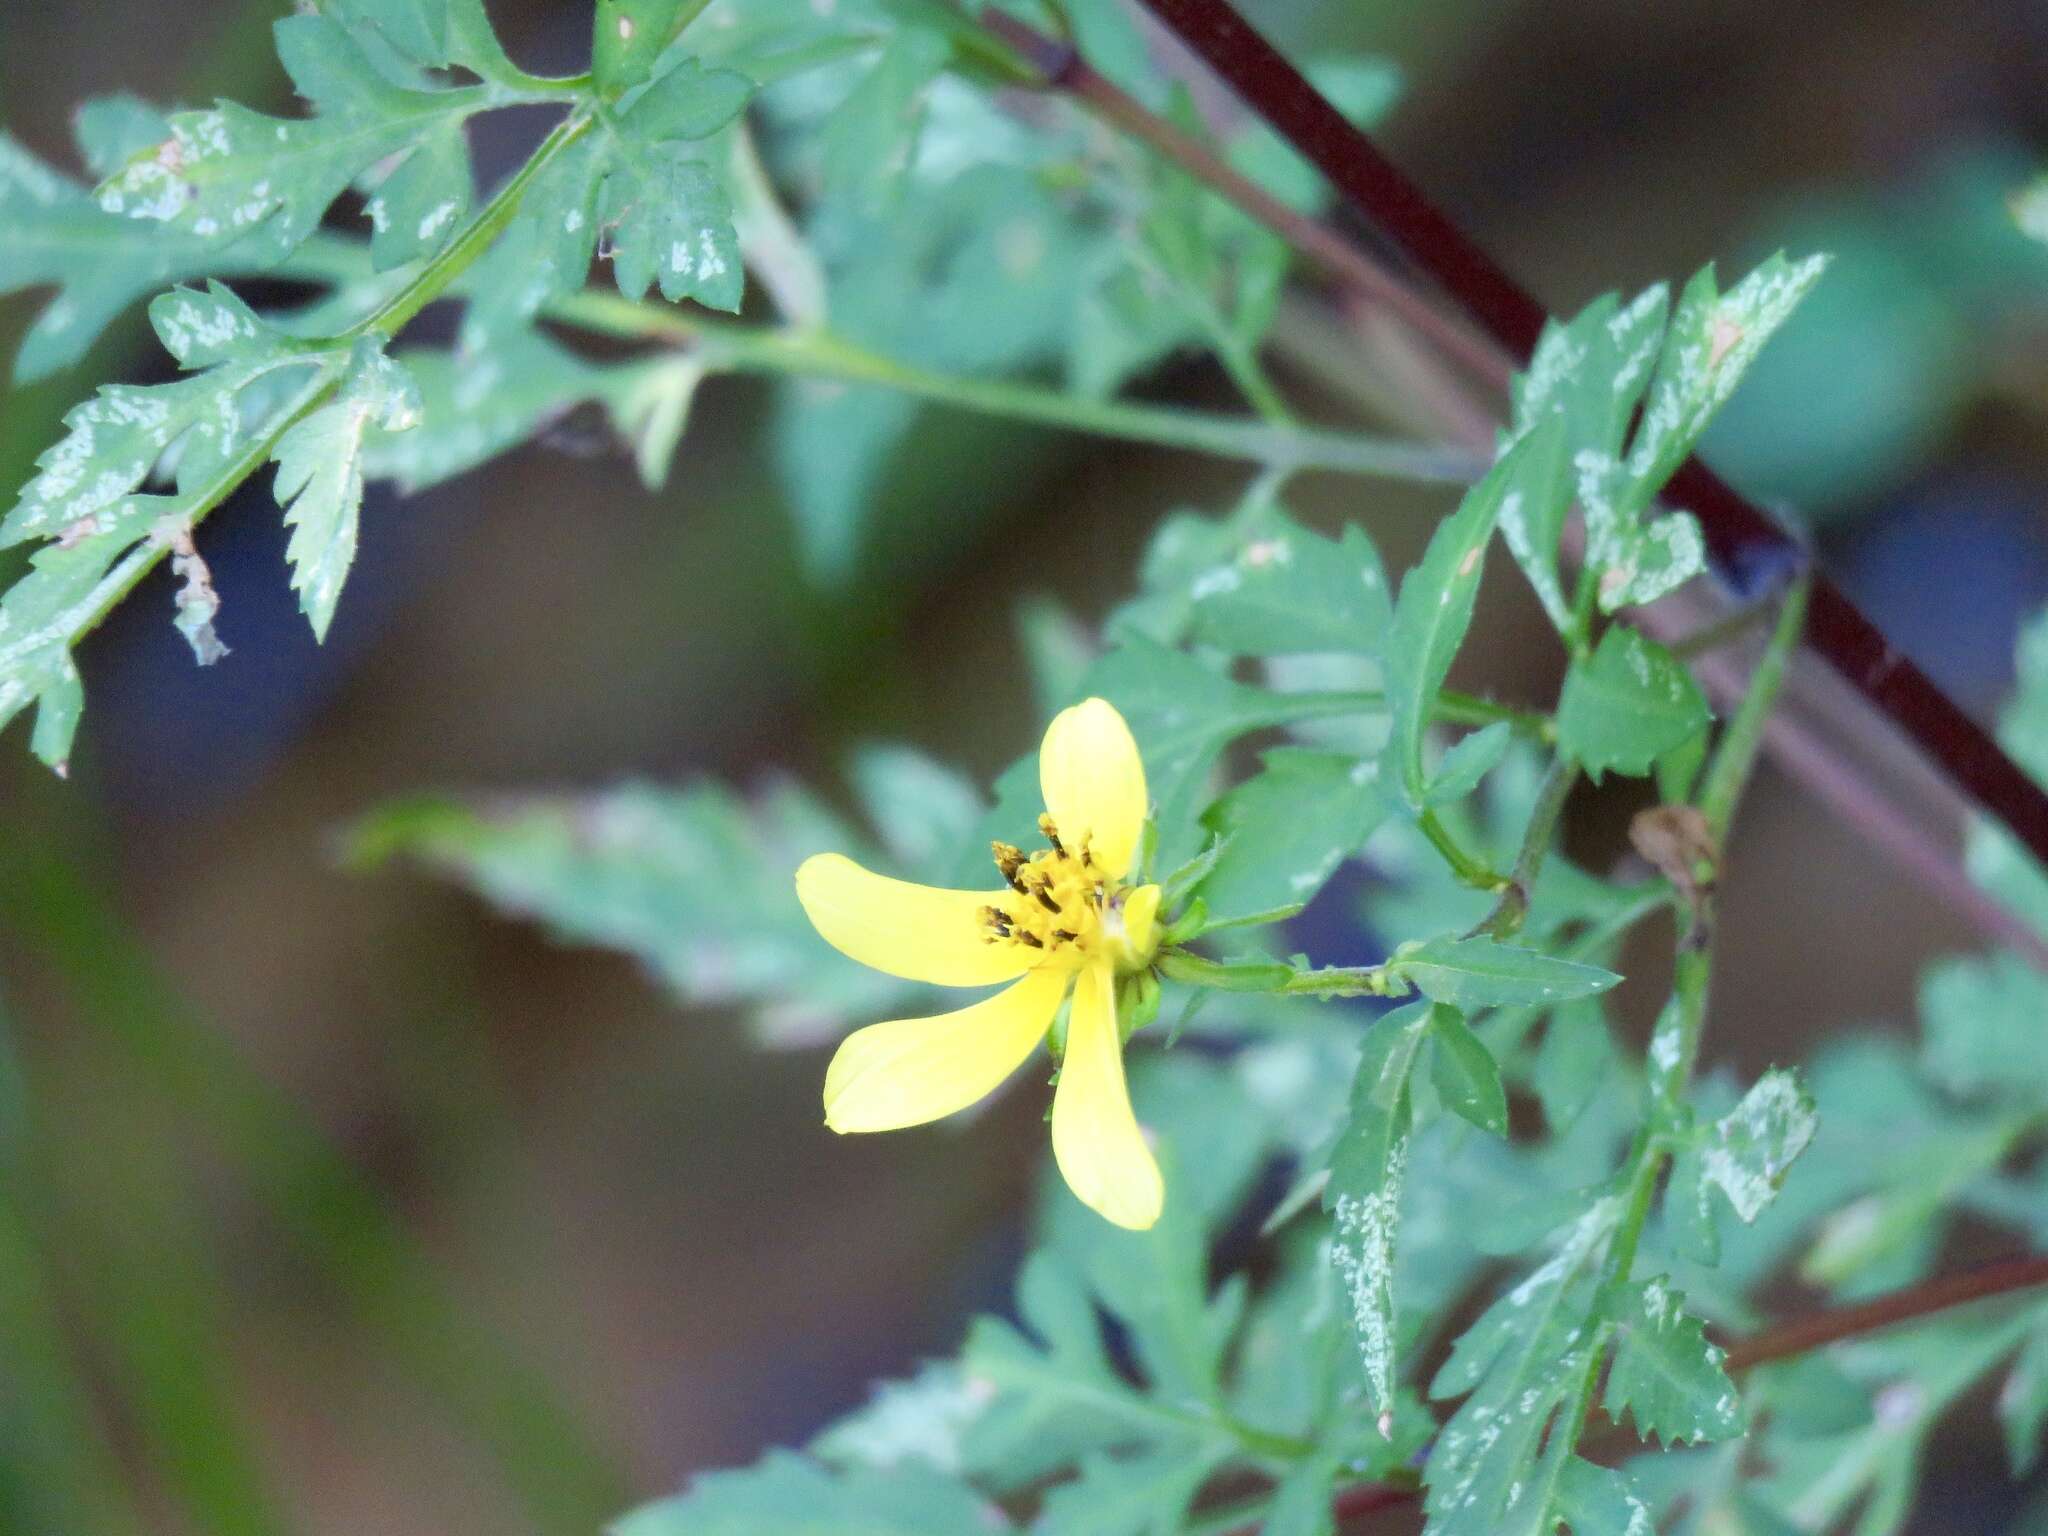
(915, 931)
(1094, 783)
(1095, 1137)
(910, 1071)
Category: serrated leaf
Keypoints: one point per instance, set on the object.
(669, 225)
(1482, 973)
(1748, 1151)
(1433, 612)
(1712, 340)
(1628, 704)
(416, 28)
(1287, 828)
(1492, 1471)
(1466, 1076)
(1665, 1372)
(232, 177)
(1363, 1196)
(320, 474)
(1586, 376)
(794, 1496)
(694, 883)
(1260, 584)
(41, 616)
(53, 232)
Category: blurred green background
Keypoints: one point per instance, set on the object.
(331, 1203)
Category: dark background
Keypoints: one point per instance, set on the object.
(643, 1210)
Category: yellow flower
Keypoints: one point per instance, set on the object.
(1065, 917)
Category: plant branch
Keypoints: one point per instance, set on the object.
(1512, 909)
(1735, 758)
(726, 345)
(1982, 1282)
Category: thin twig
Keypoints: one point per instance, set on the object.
(1062, 68)
(1998, 1278)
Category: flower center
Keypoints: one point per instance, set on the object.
(1061, 903)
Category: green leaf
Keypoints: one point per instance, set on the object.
(1145, 1495)
(418, 29)
(1287, 828)
(1363, 1196)
(1259, 584)
(1747, 1152)
(671, 225)
(320, 474)
(1599, 1501)
(1573, 1062)
(1712, 340)
(1302, 1500)
(1481, 973)
(53, 232)
(1466, 1076)
(1434, 611)
(476, 403)
(627, 37)
(38, 626)
(794, 1496)
(922, 1420)
(1475, 755)
(1981, 1028)
(420, 205)
(695, 883)
(1492, 1473)
(687, 101)
(1666, 1373)
(1627, 705)
(1587, 376)
(868, 144)
(924, 810)
(232, 177)
(1810, 1396)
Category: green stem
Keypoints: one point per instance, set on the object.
(1735, 757)
(1451, 708)
(728, 346)
(1469, 870)
(456, 257)
(1512, 910)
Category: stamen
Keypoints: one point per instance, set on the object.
(1046, 901)
(1066, 936)
(1045, 826)
(1032, 939)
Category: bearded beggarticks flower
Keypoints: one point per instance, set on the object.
(1064, 919)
